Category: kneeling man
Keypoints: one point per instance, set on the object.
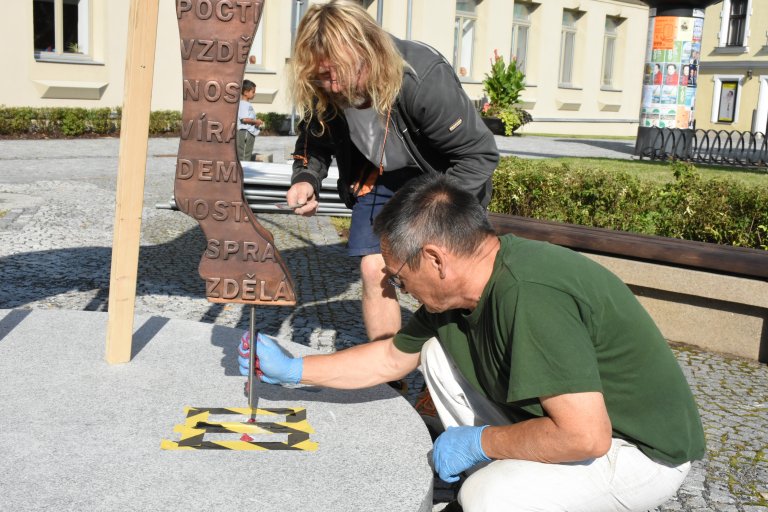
(555, 387)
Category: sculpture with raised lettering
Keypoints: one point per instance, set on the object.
(240, 262)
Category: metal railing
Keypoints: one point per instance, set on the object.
(717, 147)
(265, 185)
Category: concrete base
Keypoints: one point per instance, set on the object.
(79, 434)
(262, 157)
(716, 312)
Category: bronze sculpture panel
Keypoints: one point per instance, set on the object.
(240, 262)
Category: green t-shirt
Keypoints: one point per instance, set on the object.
(551, 321)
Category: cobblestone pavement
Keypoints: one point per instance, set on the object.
(56, 217)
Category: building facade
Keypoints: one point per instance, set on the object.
(583, 59)
(733, 72)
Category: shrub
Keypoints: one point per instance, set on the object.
(72, 121)
(75, 122)
(503, 85)
(272, 122)
(165, 122)
(718, 211)
(513, 118)
(100, 122)
(14, 121)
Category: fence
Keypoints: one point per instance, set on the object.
(720, 147)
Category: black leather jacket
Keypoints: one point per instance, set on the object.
(437, 121)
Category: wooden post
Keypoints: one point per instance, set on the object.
(134, 133)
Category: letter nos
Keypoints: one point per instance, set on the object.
(213, 91)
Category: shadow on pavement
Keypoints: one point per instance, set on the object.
(170, 270)
(620, 146)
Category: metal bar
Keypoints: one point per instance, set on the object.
(719, 147)
(278, 195)
(252, 400)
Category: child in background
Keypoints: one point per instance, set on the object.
(247, 123)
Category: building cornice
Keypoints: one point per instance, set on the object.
(706, 65)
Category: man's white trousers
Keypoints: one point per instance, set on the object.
(622, 480)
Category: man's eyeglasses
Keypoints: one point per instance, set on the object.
(395, 280)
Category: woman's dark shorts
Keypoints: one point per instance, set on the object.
(362, 240)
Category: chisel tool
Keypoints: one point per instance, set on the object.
(252, 399)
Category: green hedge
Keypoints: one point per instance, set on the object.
(76, 122)
(719, 211)
(272, 123)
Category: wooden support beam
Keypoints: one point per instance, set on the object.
(134, 134)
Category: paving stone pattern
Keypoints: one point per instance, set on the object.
(56, 218)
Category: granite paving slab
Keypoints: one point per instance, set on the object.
(79, 434)
(56, 212)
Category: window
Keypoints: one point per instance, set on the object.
(737, 23)
(726, 99)
(734, 25)
(256, 54)
(521, 26)
(61, 27)
(609, 49)
(568, 47)
(464, 36)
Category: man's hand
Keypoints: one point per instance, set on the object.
(303, 194)
(456, 450)
(274, 365)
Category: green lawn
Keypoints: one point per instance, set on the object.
(660, 171)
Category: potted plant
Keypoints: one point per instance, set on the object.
(503, 86)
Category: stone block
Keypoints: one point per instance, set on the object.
(92, 431)
(717, 312)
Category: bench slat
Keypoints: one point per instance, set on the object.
(742, 261)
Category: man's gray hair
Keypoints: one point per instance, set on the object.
(432, 208)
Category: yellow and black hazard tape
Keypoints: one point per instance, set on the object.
(197, 425)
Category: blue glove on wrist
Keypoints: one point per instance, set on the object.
(273, 365)
(456, 450)
(244, 353)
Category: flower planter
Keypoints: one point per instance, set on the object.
(494, 124)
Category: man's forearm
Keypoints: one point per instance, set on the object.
(361, 366)
(538, 440)
(577, 428)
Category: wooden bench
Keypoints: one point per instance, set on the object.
(707, 295)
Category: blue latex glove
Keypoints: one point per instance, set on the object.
(244, 353)
(456, 450)
(274, 366)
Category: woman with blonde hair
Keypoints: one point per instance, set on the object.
(388, 110)
(348, 37)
